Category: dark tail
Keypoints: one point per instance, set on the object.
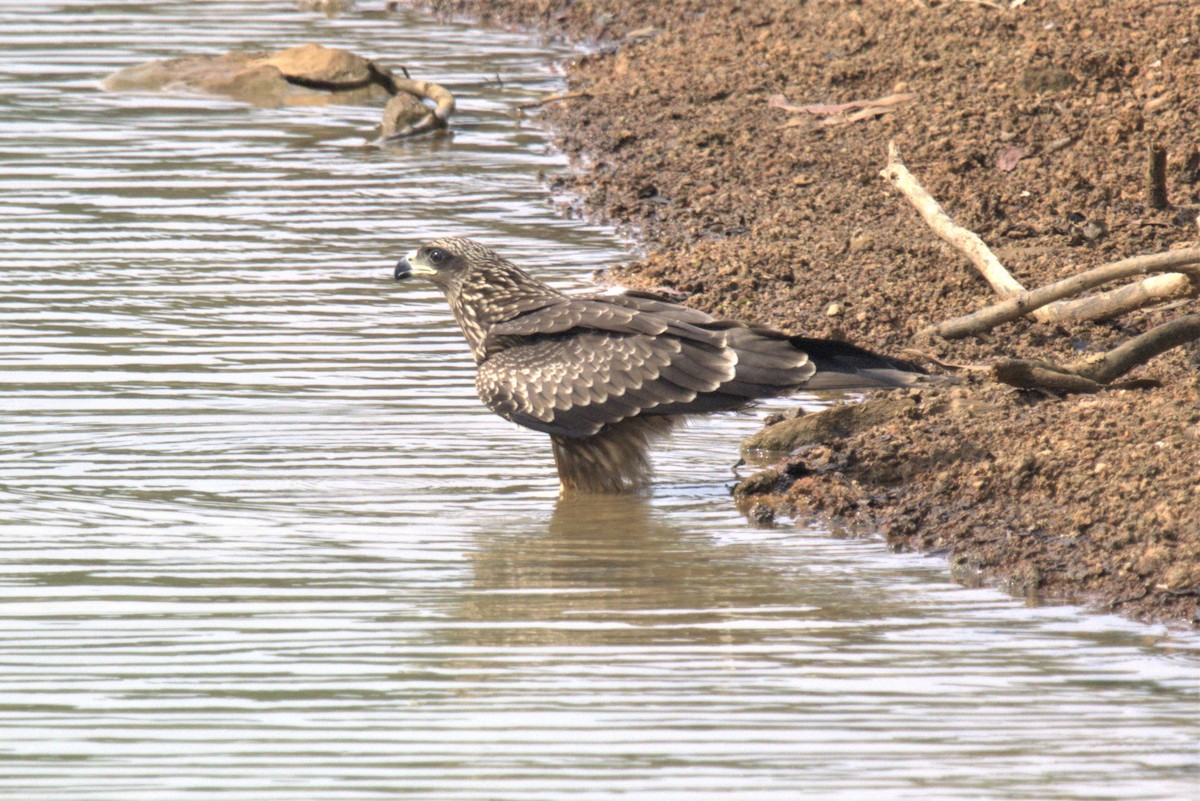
(845, 367)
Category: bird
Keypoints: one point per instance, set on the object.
(605, 375)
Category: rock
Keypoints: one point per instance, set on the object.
(328, 68)
(1094, 231)
(861, 243)
(306, 75)
(758, 483)
(836, 422)
(223, 75)
(403, 111)
(833, 310)
(761, 515)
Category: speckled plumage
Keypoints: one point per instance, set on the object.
(604, 375)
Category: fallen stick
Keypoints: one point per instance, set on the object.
(1116, 302)
(1156, 177)
(827, 109)
(1055, 310)
(913, 353)
(1139, 350)
(1092, 375)
(961, 239)
(1032, 374)
(553, 99)
(1173, 261)
(870, 112)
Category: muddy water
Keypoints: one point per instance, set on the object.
(258, 540)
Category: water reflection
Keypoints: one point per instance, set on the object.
(614, 571)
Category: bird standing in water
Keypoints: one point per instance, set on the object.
(604, 374)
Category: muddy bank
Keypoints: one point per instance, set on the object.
(1032, 127)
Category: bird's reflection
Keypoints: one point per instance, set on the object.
(611, 569)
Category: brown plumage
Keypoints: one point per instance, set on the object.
(604, 375)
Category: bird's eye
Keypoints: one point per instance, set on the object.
(437, 256)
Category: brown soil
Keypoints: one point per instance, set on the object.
(1094, 498)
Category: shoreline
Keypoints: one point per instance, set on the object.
(757, 213)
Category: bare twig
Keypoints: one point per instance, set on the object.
(1048, 307)
(826, 109)
(1139, 350)
(869, 113)
(1116, 302)
(1156, 177)
(1173, 261)
(1091, 375)
(965, 241)
(555, 98)
(913, 353)
(1031, 374)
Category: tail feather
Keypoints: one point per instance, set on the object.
(845, 367)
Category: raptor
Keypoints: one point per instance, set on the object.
(604, 375)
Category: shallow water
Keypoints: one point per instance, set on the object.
(259, 540)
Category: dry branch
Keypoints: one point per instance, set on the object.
(826, 109)
(1156, 178)
(869, 113)
(1171, 262)
(961, 239)
(1123, 358)
(1031, 374)
(1116, 302)
(1053, 310)
(1091, 375)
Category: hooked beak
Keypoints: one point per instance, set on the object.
(410, 265)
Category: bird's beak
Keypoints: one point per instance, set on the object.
(412, 265)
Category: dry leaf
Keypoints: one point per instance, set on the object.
(1008, 158)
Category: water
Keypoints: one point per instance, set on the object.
(260, 541)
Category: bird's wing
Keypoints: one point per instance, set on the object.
(601, 314)
(656, 304)
(575, 383)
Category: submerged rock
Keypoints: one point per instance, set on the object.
(326, 68)
(308, 75)
(402, 111)
(406, 113)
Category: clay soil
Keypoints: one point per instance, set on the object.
(1031, 125)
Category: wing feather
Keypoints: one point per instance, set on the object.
(575, 384)
(569, 315)
(573, 366)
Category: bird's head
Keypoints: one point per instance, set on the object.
(445, 262)
(482, 288)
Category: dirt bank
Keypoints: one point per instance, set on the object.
(1032, 126)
